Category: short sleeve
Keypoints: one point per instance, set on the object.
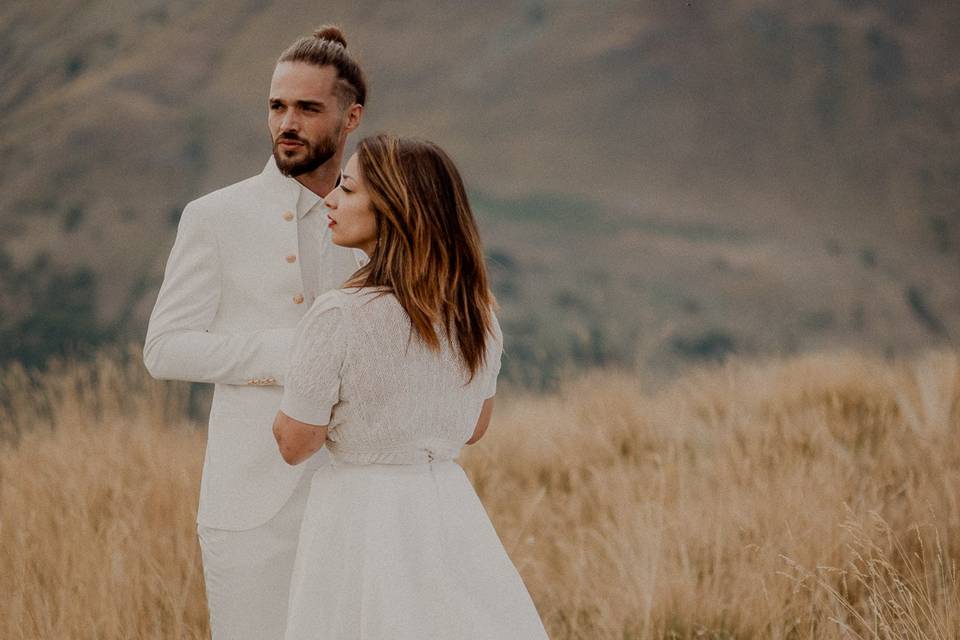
(494, 356)
(312, 383)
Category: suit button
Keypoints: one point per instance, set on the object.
(287, 216)
(298, 299)
(291, 258)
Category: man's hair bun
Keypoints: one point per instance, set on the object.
(328, 47)
(332, 33)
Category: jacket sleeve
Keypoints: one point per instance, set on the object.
(179, 345)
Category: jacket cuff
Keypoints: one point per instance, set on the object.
(277, 343)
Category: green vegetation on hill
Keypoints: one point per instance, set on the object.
(58, 313)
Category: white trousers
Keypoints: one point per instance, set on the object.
(247, 573)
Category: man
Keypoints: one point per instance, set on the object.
(248, 261)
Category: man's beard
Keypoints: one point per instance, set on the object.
(316, 154)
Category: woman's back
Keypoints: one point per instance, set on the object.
(395, 542)
(392, 399)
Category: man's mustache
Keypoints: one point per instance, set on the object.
(291, 136)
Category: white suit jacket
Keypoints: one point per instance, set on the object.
(226, 314)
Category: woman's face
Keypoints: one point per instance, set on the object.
(352, 221)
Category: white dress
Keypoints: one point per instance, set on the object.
(395, 543)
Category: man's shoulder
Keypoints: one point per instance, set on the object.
(238, 192)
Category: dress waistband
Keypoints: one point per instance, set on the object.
(391, 469)
(411, 459)
(420, 453)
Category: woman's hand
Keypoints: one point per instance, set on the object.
(297, 440)
(483, 421)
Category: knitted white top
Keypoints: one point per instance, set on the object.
(356, 365)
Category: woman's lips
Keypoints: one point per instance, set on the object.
(331, 223)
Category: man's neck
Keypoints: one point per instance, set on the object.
(323, 179)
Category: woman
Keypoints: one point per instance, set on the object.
(394, 373)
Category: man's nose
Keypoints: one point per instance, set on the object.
(290, 122)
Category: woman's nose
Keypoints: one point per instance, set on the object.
(331, 199)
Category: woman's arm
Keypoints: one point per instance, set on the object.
(312, 388)
(297, 440)
(483, 421)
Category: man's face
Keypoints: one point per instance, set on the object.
(305, 120)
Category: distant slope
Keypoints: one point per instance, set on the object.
(660, 181)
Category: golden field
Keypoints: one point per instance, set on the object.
(813, 497)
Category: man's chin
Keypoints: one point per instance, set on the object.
(297, 162)
(290, 172)
(291, 167)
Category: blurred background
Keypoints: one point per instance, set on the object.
(658, 183)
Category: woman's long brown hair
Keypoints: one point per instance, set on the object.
(428, 250)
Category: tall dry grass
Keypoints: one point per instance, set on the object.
(816, 497)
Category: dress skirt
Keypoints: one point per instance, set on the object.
(403, 552)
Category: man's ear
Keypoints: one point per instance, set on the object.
(354, 114)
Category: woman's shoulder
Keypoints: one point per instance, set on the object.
(363, 295)
(333, 299)
(352, 298)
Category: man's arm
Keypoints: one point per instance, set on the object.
(178, 344)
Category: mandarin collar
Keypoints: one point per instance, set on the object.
(290, 191)
(286, 191)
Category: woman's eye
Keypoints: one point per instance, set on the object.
(345, 190)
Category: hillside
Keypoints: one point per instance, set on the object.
(657, 182)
